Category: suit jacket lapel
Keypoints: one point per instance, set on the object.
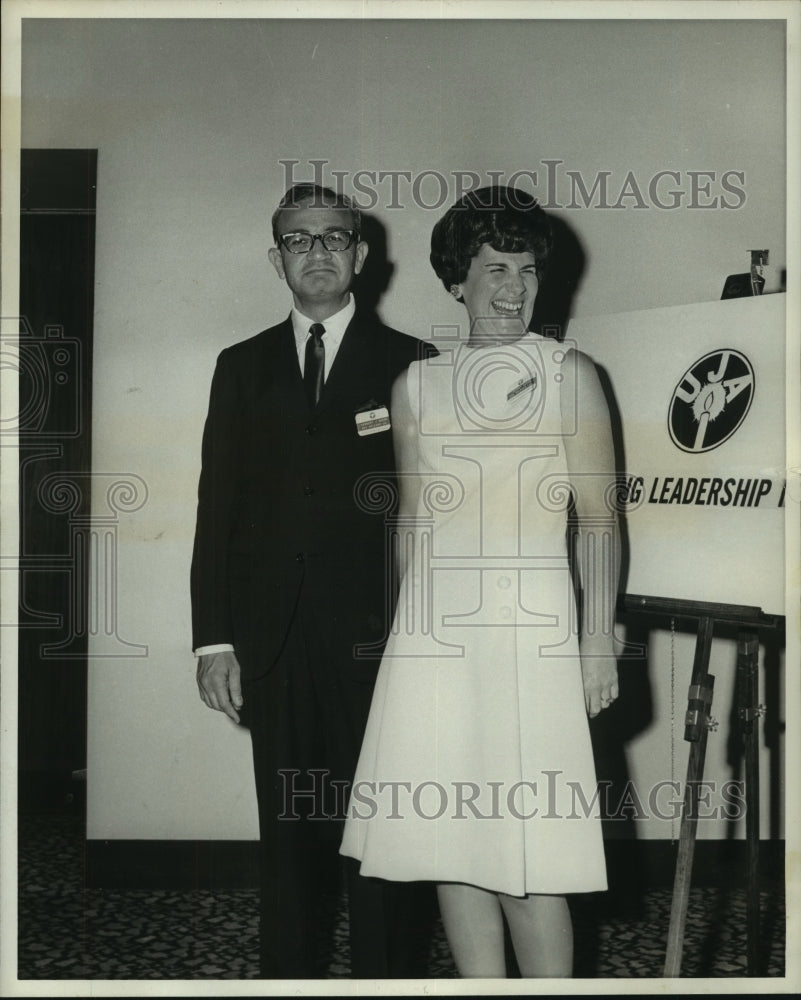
(278, 370)
(288, 354)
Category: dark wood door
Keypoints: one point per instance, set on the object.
(54, 358)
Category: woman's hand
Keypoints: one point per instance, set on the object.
(599, 673)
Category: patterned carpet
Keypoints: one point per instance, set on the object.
(69, 932)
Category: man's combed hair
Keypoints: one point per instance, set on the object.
(315, 196)
(509, 220)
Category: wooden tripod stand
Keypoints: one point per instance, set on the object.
(697, 723)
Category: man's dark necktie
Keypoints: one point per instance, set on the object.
(314, 368)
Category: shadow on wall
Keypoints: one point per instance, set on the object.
(561, 283)
(378, 271)
(633, 712)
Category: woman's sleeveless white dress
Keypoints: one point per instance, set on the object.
(476, 764)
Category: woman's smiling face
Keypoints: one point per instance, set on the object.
(499, 291)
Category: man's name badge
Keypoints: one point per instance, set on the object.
(372, 421)
(529, 382)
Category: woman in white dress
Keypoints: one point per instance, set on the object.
(476, 770)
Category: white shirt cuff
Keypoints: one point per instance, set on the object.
(220, 647)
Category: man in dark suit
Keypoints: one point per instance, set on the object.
(290, 581)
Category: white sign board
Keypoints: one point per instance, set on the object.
(700, 395)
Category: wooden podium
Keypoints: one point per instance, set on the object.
(697, 723)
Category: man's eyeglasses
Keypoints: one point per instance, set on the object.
(334, 239)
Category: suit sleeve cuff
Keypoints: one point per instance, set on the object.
(220, 647)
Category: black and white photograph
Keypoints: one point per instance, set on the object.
(400, 462)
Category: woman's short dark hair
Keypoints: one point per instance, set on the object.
(509, 220)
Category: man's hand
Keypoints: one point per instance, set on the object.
(599, 673)
(219, 681)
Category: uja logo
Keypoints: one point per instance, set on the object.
(711, 401)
